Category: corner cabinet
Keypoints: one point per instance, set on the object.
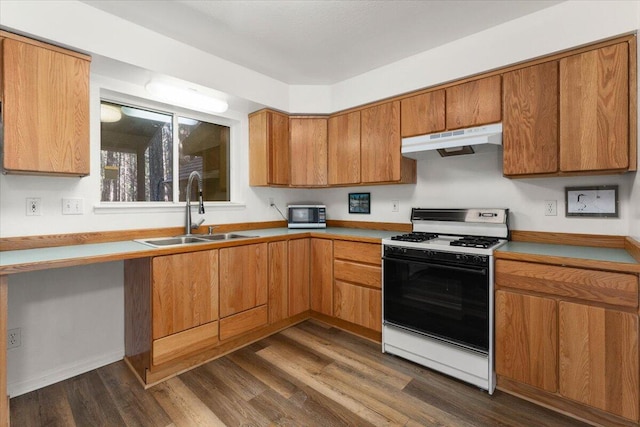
(269, 149)
(45, 108)
(568, 338)
(308, 148)
(572, 116)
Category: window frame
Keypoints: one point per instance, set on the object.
(175, 112)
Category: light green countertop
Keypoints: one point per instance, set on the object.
(568, 251)
(33, 259)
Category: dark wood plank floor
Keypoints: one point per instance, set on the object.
(307, 375)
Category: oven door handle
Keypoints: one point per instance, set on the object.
(478, 270)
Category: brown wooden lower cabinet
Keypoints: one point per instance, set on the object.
(184, 309)
(558, 344)
(322, 276)
(357, 269)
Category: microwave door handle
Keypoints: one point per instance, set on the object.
(479, 270)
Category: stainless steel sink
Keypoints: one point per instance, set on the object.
(196, 239)
(222, 236)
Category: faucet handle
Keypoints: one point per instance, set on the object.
(196, 226)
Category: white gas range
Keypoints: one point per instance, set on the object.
(438, 291)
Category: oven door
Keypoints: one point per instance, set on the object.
(440, 299)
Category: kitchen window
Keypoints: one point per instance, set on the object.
(147, 155)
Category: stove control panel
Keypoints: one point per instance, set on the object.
(399, 252)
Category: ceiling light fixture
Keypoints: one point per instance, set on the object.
(109, 113)
(189, 98)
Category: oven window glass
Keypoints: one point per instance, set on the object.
(443, 300)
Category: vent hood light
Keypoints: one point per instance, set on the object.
(189, 98)
(456, 142)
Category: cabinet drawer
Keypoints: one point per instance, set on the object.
(591, 285)
(359, 305)
(362, 274)
(370, 253)
(243, 322)
(180, 344)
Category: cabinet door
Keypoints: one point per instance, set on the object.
(308, 145)
(243, 278)
(185, 291)
(278, 281)
(530, 122)
(344, 149)
(299, 258)
(594, 110)
(358, 304)
(474, 103)
(322, 276)
(268, 149)
(422, 114)
(526, 339)
(599, 358)
(380, 143)
(45, 110)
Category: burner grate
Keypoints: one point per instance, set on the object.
(476, 242)
(416, 236)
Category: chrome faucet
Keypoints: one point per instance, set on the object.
(188, 227)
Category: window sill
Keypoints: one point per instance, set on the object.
(159, 207)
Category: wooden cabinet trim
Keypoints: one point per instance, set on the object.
(43, 45)
(183, 343)
(243, 322)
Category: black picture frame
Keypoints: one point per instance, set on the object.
(359, 203)
(594, 201)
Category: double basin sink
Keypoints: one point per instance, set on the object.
(194, 239)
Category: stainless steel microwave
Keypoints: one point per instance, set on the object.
(307, 216)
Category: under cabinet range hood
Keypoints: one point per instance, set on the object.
(454, 142)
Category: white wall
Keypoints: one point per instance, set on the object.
(68, 326)
(454, 182)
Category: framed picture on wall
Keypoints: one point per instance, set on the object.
(600, 201)
(359, 203)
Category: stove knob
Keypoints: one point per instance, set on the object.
(464, 257)
(477, 259)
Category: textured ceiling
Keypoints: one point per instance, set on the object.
(317, 42)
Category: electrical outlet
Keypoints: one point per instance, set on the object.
(550, 207)
(73, 206)
(395, 205)
(271, 201)
(14, 338)
(34, 206)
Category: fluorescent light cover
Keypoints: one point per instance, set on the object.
(186, 97)
(147, 115)
(109, 113)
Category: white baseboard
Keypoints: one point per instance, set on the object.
(62, 373)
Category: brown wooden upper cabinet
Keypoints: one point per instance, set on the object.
(422, 114)
(380, 143)
(474, 103)
(45, 108)
(594, 110)
(530, 120)
(570, 116)
(269, 149)
(344, 149)
(308, 148)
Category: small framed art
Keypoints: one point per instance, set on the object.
(360, 203)
(600, 201)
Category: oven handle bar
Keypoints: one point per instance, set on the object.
(479, 270)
